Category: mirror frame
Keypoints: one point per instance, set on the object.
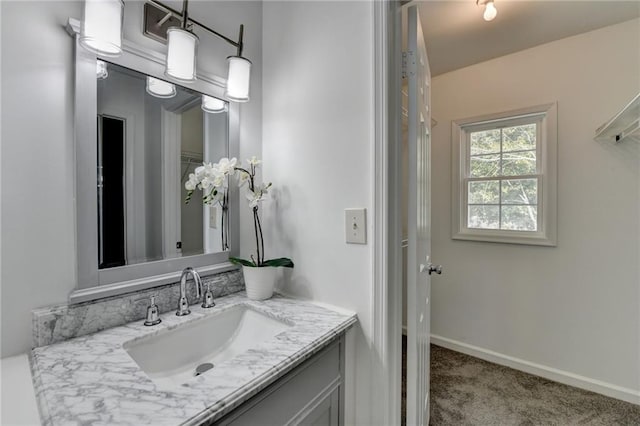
(94, 283)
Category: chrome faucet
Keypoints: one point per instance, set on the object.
(183, 304)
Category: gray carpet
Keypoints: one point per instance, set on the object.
(469, 391)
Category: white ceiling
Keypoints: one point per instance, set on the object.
(456, 35)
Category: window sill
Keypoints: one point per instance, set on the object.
(506, 237)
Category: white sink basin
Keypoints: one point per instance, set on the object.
(173, 357)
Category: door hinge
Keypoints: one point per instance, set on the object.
(408, 64)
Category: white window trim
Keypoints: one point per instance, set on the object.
(547, 192)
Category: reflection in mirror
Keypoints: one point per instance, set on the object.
(151, 136)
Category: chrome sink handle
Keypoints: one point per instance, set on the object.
(153, 313)
(183, 303)
(207, 299)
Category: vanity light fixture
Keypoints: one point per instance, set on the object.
(182, 47)
(213, 105)
(160, 88)
(490, 10)
(101, 70)
(101, 30)
(101, 33)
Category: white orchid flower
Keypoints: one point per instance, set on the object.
(206, 183)
(219, 180)
(257, 196)
(243, 178)
(190, 185)
(227, 166)
(203, 170)
(254, 198)
(265, 188)
(254, 161)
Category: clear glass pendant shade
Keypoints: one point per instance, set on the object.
(212, 105)
(181, 54)
(238, 79)
(101, 30)
(160, 88)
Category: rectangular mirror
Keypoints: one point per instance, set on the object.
(151, 135)
(138, 136)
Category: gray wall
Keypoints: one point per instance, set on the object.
(37, 160)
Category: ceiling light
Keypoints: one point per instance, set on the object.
(160, 88)
(213, 105)
(490, 10)
(101, 70)
(181, 54)
(101, 30)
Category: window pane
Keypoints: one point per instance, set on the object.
(519, 138)
(485, 142)
(484, 217)
(520, 218)
(485, 165)
(484, 192)
(520, 191)
(519, 163)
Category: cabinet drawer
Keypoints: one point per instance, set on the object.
(288, 401)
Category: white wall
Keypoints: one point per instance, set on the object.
(574, 307)
(38, 229)
(38, 212)
(317, 148)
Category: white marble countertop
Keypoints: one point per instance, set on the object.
(92, 379)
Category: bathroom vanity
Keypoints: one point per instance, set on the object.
(279, 361)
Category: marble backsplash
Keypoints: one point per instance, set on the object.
(57, 323)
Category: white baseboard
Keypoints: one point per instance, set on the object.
(582, 382)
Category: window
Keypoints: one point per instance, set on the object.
(504, 174)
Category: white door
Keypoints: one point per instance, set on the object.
(418, 221)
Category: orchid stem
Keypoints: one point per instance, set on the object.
(261, 237)
(255, 225)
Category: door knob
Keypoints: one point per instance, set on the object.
(434, 268)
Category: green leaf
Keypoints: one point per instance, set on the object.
(243, 262)
(282, 261)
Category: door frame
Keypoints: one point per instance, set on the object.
(386, 297)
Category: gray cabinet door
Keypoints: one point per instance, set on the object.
(326, 413)
(308, 395)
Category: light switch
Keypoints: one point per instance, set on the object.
(355, 226)
(213, 217)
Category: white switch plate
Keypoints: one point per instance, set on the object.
(213, 217)
(355, 226)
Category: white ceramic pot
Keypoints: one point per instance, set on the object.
(259, 281)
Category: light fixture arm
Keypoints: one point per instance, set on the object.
(240, 45)
(186, 19)
(185, 14)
